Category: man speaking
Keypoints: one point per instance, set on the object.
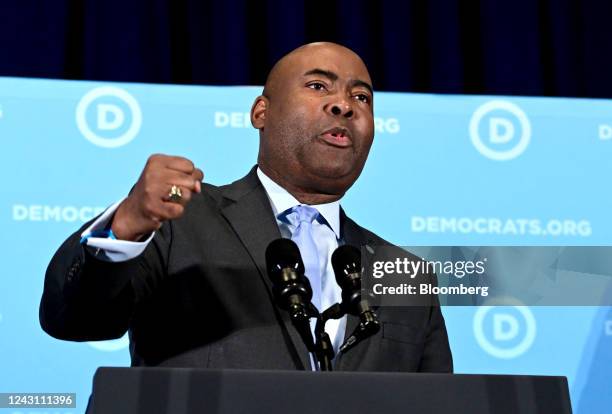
(181, 264)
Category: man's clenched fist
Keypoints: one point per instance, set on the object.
(149, 205)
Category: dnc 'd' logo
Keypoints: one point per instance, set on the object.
(108, 116)
(500, 130)
(505, 332)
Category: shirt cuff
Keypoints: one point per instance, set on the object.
(112, 250)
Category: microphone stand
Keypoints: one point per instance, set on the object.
(324, 351)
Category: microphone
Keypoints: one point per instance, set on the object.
(291, 289)
(346, 261)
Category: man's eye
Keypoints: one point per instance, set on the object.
(363, 98)
(317, 86)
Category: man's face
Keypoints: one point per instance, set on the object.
(318, 125)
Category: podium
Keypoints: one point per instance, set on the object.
(191, 391)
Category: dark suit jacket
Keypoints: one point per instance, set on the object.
(199, 296)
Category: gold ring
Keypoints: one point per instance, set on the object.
(175, 195)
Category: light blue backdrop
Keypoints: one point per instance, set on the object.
(444, 170)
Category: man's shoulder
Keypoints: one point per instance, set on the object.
(234, 190)
(211, 191)
(375, 244)
(354, 230)
(221, 194)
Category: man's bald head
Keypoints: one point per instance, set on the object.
(279, 70)
(315, 121)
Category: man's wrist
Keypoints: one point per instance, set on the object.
(120, 228)
(124, 234)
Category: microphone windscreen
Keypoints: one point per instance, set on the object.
(283, 253)
(346, 260)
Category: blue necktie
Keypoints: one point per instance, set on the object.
(302, 217)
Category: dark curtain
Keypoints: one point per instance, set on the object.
(519, 47)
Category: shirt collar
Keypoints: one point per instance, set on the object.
(282, 200)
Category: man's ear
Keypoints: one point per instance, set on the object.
(258, 112)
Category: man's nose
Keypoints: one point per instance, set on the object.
(340, 108)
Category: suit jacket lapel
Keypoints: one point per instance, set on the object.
(250, 215)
